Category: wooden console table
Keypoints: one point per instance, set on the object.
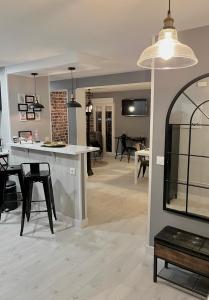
(186, 257)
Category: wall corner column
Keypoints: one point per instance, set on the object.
(5, 122)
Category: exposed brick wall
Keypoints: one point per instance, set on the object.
(59, 116)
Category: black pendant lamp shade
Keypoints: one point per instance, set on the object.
(72, 102)
(37, 104)
(89, 106)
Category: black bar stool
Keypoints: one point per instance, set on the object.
(32, 172)
(5, 172)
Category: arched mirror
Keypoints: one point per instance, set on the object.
(186, 170)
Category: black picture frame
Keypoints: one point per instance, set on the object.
(30, 110)
(29, 99)
(24, 133)
(30, 116)
(22, 107)
(37, 109)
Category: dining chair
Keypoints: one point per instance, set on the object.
(144, 163)
(125, 148)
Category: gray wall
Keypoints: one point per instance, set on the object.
(25, 85)
(121, 78)
(167, 84)
(132, 126)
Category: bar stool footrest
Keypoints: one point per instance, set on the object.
(37, 211)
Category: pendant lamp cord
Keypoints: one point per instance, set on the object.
(72, 92)
(35, 85)
(169, 7)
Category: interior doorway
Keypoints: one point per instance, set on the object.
(114, 197)
(104, 122)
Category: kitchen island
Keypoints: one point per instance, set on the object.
(68, 171)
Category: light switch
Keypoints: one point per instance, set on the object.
(160, 160)
(72, 171)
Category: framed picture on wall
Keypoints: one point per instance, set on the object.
(22, 116)
(24, 134)
(30, 115)
(29, 99)
(22, 107)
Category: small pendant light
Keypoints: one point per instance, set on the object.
(72, 102)
(167, 52)
(37, 104)
(89, 105)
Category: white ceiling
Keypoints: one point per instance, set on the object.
(99, 37)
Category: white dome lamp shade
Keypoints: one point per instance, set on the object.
(167, 52)
(72, 102)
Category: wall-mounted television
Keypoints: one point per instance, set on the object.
(135, 107)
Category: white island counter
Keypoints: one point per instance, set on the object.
(68, 170)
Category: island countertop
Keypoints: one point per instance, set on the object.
(68, 150)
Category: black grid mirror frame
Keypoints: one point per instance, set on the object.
(169, 182)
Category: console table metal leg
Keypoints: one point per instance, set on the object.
(116, 153)
(166, 264)
(155, 269)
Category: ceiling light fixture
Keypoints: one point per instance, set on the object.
(37, 104)
(72, 102)
(89, 105)
(167, 52)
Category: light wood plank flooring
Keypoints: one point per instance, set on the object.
(107, 260)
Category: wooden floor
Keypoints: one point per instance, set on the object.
(107, 260)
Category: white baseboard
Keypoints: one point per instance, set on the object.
(71, 221)
(80, 223)
(150, 250)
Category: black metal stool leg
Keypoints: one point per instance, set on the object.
(2, 192)
(48, 203)
(129, 155)
(23, 191)
(139, 170)
(29, 199)
(22, 186)
(52, 198)
(23, 215)
(144, 170)
(121, 157)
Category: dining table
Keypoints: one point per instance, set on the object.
(144, 153)
(130, 140)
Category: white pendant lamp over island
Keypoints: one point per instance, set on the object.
(167, 52)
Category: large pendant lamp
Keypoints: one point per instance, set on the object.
(72, 102)
(37, 104)
(167, 52)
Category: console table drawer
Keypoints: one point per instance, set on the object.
(184, 260)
